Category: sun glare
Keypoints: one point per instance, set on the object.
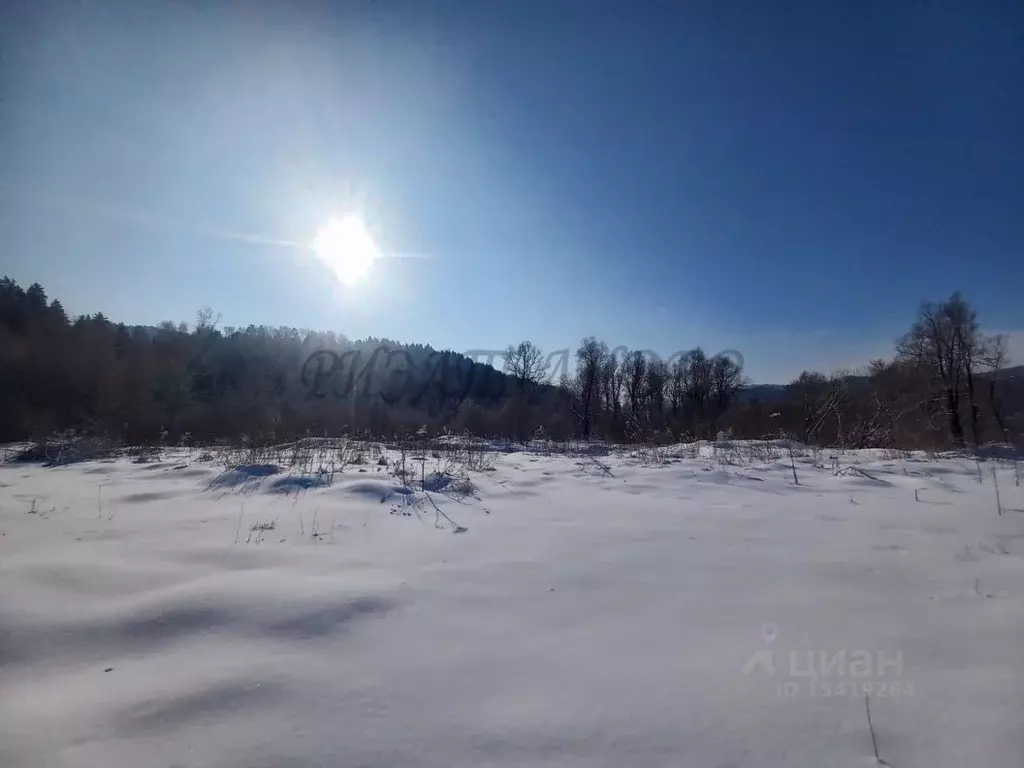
(346, 248)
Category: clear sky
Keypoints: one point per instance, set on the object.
(787, 179)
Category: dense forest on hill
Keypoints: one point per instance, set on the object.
(947, 385)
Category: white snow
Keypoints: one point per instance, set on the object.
(610, 610)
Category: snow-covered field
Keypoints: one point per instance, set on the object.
(595, 611)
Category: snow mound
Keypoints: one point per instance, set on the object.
(378, 490)
(445, 482)
(244, 475)
(296, 483)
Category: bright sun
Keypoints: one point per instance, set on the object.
(346, 247)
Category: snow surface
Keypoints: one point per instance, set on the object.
(595, 611)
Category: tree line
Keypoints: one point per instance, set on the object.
(947, 385)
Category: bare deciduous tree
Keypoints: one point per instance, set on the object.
(970, 347)
(591, 359)
(524, 362)
(819, 398)
(726, 378)
(611, 384)
(676, 387)
(657, 379)
(934, 344)
(995, 358)
(634, 374)
(206, 320)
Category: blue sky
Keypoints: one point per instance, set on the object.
(786, 179)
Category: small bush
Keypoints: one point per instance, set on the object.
(144, 454)
(68, 449)
(894, 454)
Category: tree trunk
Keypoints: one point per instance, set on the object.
(956, 429)
(997, 410)
(975, 413)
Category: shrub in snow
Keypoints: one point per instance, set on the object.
(68, 449)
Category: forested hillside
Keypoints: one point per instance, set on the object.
(947, 385)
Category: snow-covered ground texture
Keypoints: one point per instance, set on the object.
(690, 606)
